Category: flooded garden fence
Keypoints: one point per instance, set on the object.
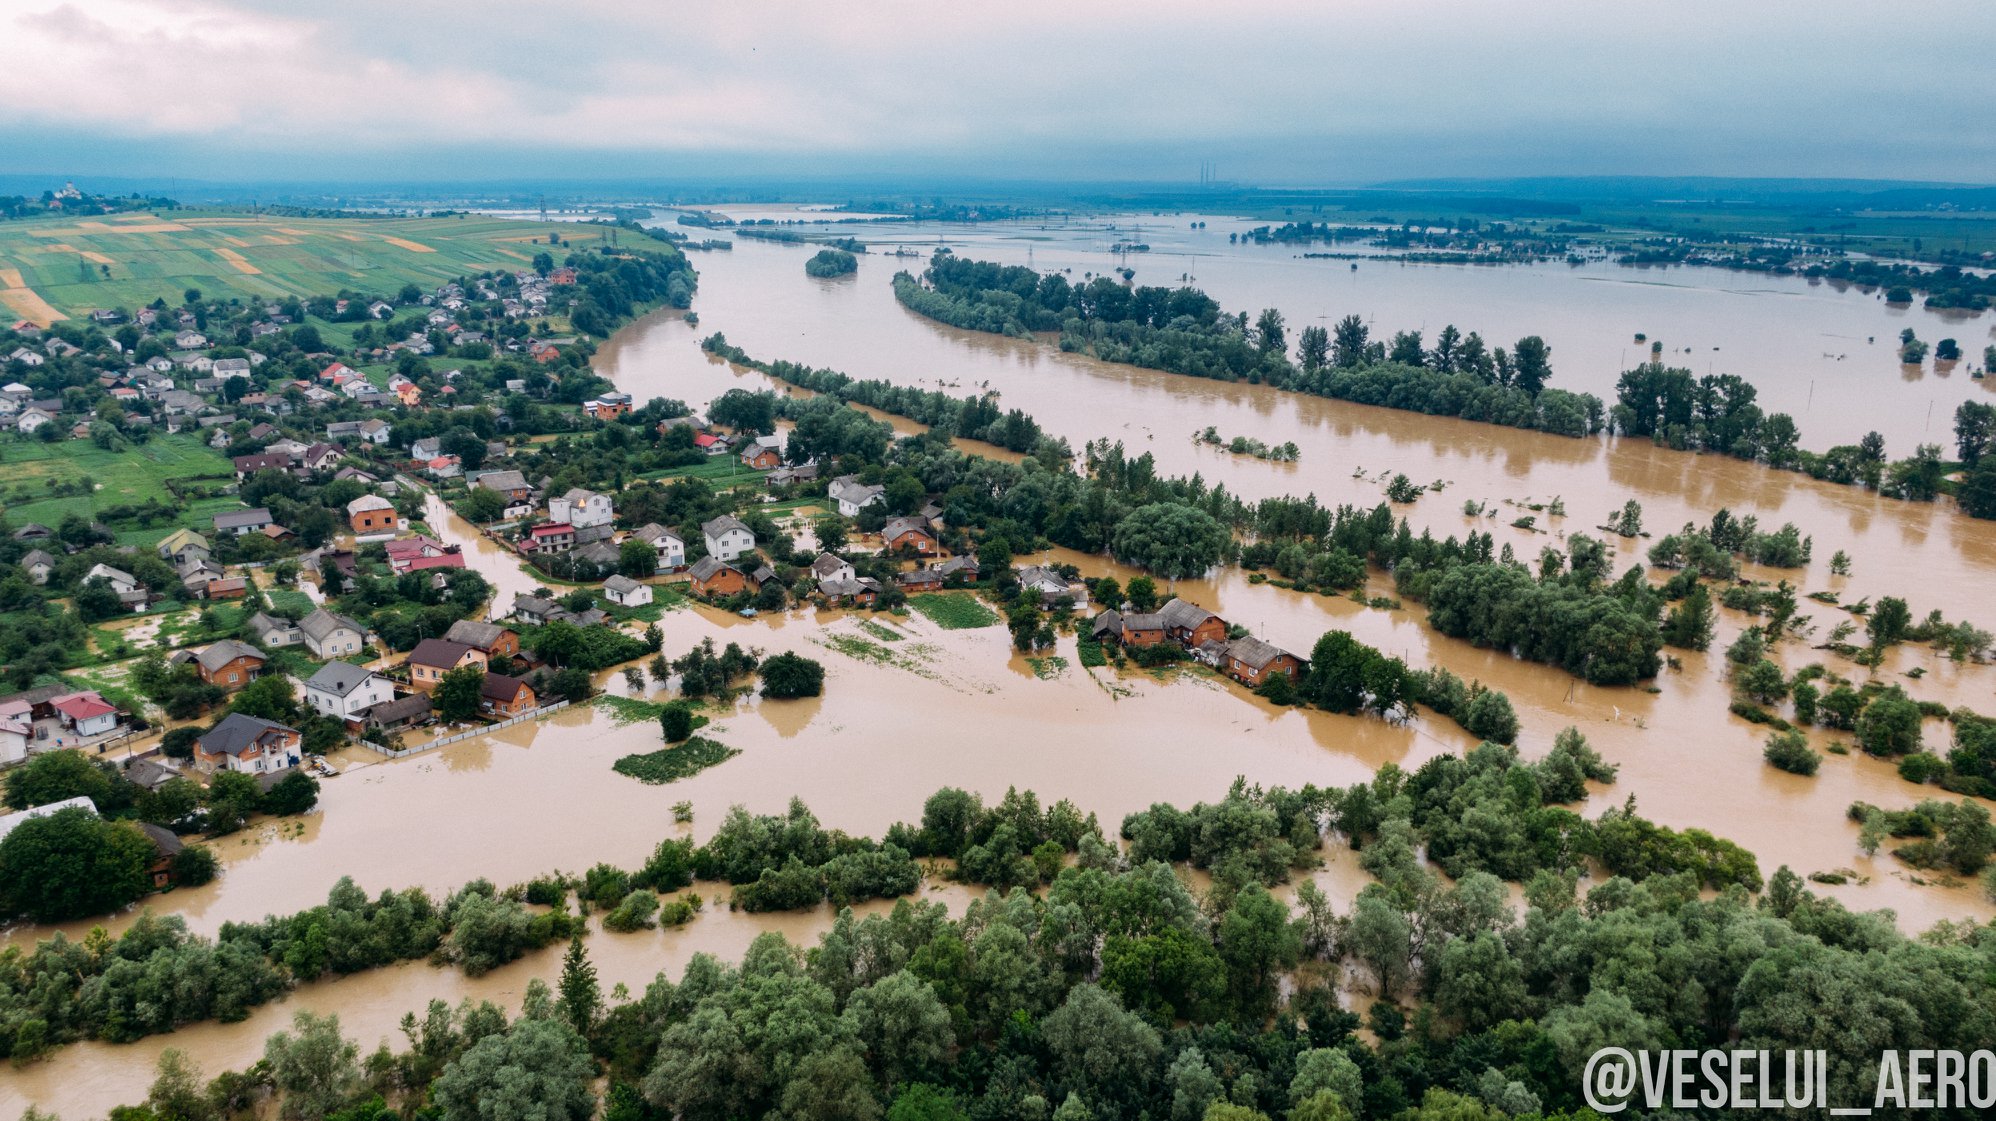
(481, 730)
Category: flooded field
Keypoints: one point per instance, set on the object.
(935, 708)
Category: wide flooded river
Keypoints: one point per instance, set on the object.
(901, 718)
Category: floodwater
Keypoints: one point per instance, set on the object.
(1825, 353)
(901, 718)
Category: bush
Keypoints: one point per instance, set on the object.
(1789, 751)
(1490, 717)
(193, 866)
(179, 743)
(672, 763)
(634, 913)
(676, 721)
(788, 676)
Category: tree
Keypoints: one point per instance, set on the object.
(1270, 335)
(903, 1026)
(1095, 1040)
(787, 676)
(1314, 348)
(676, 721)
(1789, 751)
(1531, 364)
(313, 1065)
(459, 693)
(1977, 492)
(538, 1070)
(70, 864)
(1761, 681)
(637, 559)
(1888, 622)
(1974, 427)
(1170, 539)
(1490, 717)
(176, 1089)
(1688, 625)
(1326, 1070)
(1348, 342)
(295, 793)
(1890, 724)
(831, 532)
(56, 775)
(581, 997)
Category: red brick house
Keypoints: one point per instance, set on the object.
(1252, 661)
(434, 657)
(1190, 625)
(229, 663)
(713, 578)
(502, 696)
(496, 641)
(908, 533)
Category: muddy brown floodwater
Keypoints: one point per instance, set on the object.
(901, 718)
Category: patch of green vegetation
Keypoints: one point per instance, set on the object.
(1048, 668)
(914, 657)
(288, 600)
(132, 475)
(954, 611)
(670, 764)
(664, 598)
(881, 631)
(1091, 653)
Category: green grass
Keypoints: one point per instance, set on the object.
(289, 599)
(626, 711)
(881, 631)
(132, 475)
(290, 256)
(672, 763)
(664, 598)
(955, 611)
(1091, 653)
(721, 467)
(1048, 668)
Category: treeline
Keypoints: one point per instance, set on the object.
(972, 417)
(1119, 992)
(609, 288)
(1184, 331)
(156, 977)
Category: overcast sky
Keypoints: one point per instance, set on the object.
(1313, 91)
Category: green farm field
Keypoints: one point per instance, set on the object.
(55, 268)
(131, 475)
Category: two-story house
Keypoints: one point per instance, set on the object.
(248, 744)
(341, 690)
(727, 538)
(328, 635)
(590, 513)
(434, 657)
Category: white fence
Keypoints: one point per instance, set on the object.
(484, 729)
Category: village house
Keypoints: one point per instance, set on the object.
(712, 577)
(908, 533)
(1129, 629)
(784, 476)
(242, 523)
(852, 496)
(86, 714)
(1052, 586)
(190, 340)
(120, 581)
(434, 657)
(38, 565)
(398, 714)
(491, 638)
(503, 697)
(328, 635)
(626, 592)
(762, 453)
(549, 537)
(511, 486)
(671, 550)
(183, 547)
(165, 846)
(228, 663)
(270, 630)
(923, 579)
(1191, 625)
(590, 514)
(248, 744)
(341, 690)
(319, 457)
(225, 587)
(963, 568)
(828, 567)
(247, 465)
(371, 513)
(848, 590)
(1251, 661)
(608, 406)
(31, 419)
(727, 538)
(231, 368)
